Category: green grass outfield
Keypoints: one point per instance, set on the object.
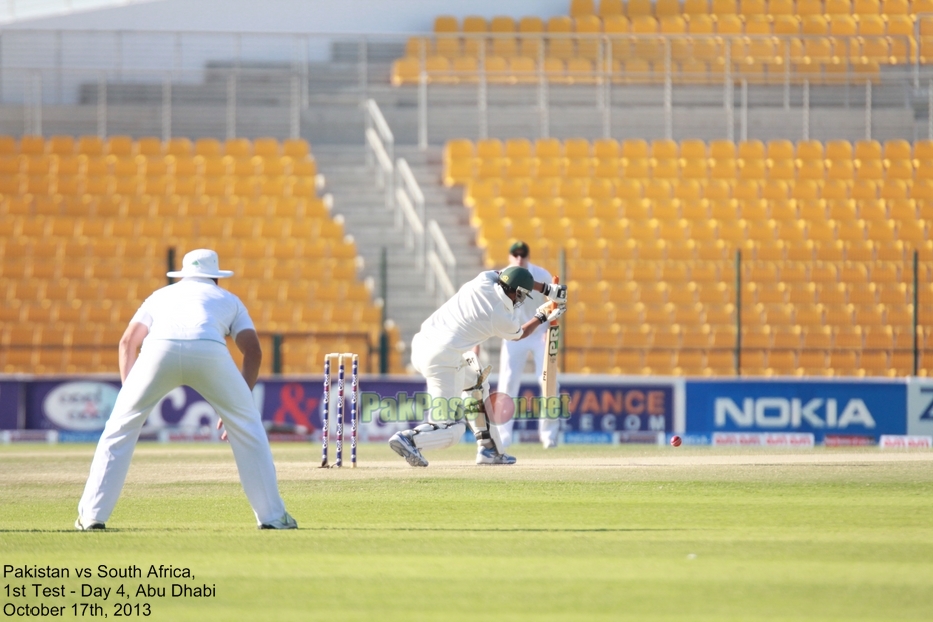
(580, 533)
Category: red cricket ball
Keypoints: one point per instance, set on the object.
(676, 441)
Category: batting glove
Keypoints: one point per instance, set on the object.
(545, 313)
(557, 293)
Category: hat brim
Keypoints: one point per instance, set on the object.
(220, 274)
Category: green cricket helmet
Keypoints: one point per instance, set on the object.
(519, 280)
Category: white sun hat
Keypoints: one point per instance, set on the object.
(201, 262)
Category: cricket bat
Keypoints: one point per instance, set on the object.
(549, 376)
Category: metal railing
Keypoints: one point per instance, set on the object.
(404, 196)
(442, 262)
(377, 122)
(378, 159)
(276, 360)
(281, 363)
(866, 315)
(410, 210)
(251, 84)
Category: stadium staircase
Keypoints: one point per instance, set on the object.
(362, 205)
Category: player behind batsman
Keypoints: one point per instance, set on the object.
(513, 354)
(181, 329)
(443, 353)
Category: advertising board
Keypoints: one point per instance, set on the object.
(865, 408)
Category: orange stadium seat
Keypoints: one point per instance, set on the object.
(116, 239)
(843, 207)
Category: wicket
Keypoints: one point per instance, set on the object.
(325, 415)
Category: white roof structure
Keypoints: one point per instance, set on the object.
(12, 11)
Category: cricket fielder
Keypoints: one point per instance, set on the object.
(182, 329)
(443, 353)
(513, 354)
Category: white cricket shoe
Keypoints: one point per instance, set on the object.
(549, 444)
(89, 525)
(286, 522)
(402, 444)
(491, 456)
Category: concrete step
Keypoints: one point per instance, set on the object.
(361, 204)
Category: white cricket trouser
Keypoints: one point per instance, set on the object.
(512, 359)
(445, 373)
(208, 368)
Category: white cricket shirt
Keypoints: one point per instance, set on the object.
(478, 311)
(527, 309)
(193, 308)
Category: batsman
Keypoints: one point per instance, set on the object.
(443, 353)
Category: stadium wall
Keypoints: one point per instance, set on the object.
(598, 409)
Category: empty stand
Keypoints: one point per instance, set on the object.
(632, 41)
(87, 224)
(651, 248)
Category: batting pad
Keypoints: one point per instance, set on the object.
(433, 436)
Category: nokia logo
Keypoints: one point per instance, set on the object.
(927, 414)
(779, 412)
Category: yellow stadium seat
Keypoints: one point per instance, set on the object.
(582, 7)
(834, 189)
(664, 8)
(834, 8)
(781, 7)
(405, 71)
(448, 46)
(588, 46)
(696, 7)
(786, 25)
(522, 70)
(664, 148)
(420, 47)
(899, 169)
(840, 209)
(843, 26)
(695, 170)
(530, 41)
(868, 150)
(840, 170)
(895, 189)
(607, 169)
(665, 168)
(864, 189)
(446, 23)
(729, 24)
(32, 145)
(839, 150)
(872, 170)
(489, 148)
(809, 7)
(606, 148)
(900, 29)
(814, 25)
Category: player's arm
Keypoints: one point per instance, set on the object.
(248, 343)
(547, 312)
(529, 327)
(130, 343)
